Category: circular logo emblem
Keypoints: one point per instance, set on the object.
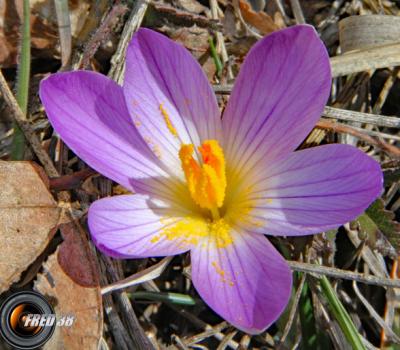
(27, 320)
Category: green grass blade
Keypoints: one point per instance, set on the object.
(214, 55)
(174, 298)
(345, 322)
(312, 338)
(306, 313)
(23, 75)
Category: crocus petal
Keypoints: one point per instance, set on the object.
(248, 283)
(169, 96)
(281, 90)
(131, 226)
(314, 190)
(88, 111)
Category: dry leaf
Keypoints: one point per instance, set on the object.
(194, 39)
(192, 6)
(75, 256)
(43, 33)
(259, 20)
(71, 299)
(28, 218)
(366, 32)
(44, 30)
(229, 22)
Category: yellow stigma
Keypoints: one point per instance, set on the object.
(206, 181)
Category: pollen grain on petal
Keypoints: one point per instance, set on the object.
(187, 231)
(155, 239)
(191, 231)
(221, 272)
(168, 121)
(220, 231)
(153, 146)
(218, 269)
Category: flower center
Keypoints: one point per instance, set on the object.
(206, 181)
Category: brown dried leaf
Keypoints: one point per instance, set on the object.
(75, 256)
(369, 31)
(9, 17)
(28, 218)
(192, 6)
(44, 31)
(230, 22)
(160, 12)
(194, 39)
(70, 298)
(259, 20)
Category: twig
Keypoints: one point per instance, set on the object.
(380, 101)
(281, 9)
(362, 135)
(206, 334)
(224, 342)
(131, 26)
(293, 309)
(390, 334)
(140, 277)
(178, 341)
(332, 16)
(343, 274)
(365, 131)
(390, 305)
(201, 324)
(71, 181)
(26, 128)
(359, 117)
(297, 12)
(101, 34)
(137, 334)
(363, 60)
(117, 328)
(185, 18)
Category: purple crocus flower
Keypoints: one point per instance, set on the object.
(210, 186)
